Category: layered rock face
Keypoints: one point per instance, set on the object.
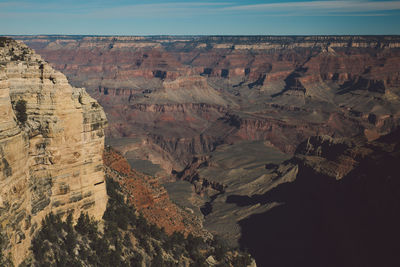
(217, 110)
(273, 86)
(151, 199)
(51, 144)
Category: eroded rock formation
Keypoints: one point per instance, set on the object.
(51, 144)
(280, 89)
(233, 102)
(150, 198)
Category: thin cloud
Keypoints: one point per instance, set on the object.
(24, 7)
(328, 6)
(164, 10)
(101, 9)
(169, 9)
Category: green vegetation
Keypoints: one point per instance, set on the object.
(20, 109)
(123, 238)
(3, 41)
(4, 261)
(17, 55)
(80, 99)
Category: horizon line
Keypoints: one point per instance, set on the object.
(205, 35)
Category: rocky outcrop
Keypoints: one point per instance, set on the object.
(327, 155)
(231, 99)
(307, 77)
(51, 142)
(171, 132)
(201, 184)
(342, 199)
(150, 198)
(323, 146)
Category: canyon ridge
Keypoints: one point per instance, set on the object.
(244, 132)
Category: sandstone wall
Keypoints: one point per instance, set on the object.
(283, 88)
(52, 162)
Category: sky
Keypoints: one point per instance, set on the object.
(193, 17)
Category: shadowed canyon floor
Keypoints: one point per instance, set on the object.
(321, 221)
(234, 116)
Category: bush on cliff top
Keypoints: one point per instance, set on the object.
(20, 111)
(127, 239)
(3, 41)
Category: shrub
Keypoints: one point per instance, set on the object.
(4, 261)
(220, 248)
(242, 260)
(3, 41)
(20, 108)
(85, 225)
(136, 260)
(60, 243)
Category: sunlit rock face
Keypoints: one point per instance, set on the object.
(223, 112)
(51, 145)
(283, 89)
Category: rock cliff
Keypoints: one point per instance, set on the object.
(281, 88)
(51, 145)
(224, 111)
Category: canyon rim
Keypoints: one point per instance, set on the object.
(199, 134)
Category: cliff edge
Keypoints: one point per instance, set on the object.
(51, 146)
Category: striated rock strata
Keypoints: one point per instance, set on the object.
(51, 144)
(283, 89)
(232, 102)
(150, 198)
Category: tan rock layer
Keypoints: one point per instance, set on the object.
(52, 162)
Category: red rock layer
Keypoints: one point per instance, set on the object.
(149, 197)
(178, 94)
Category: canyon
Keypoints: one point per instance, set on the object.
(223, 123)
(341, 208)
(200, 92)
(54, 165)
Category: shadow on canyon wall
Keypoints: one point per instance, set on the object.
(323, 222)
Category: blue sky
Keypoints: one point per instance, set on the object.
(154, 17)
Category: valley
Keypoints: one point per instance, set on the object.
(222, 122)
